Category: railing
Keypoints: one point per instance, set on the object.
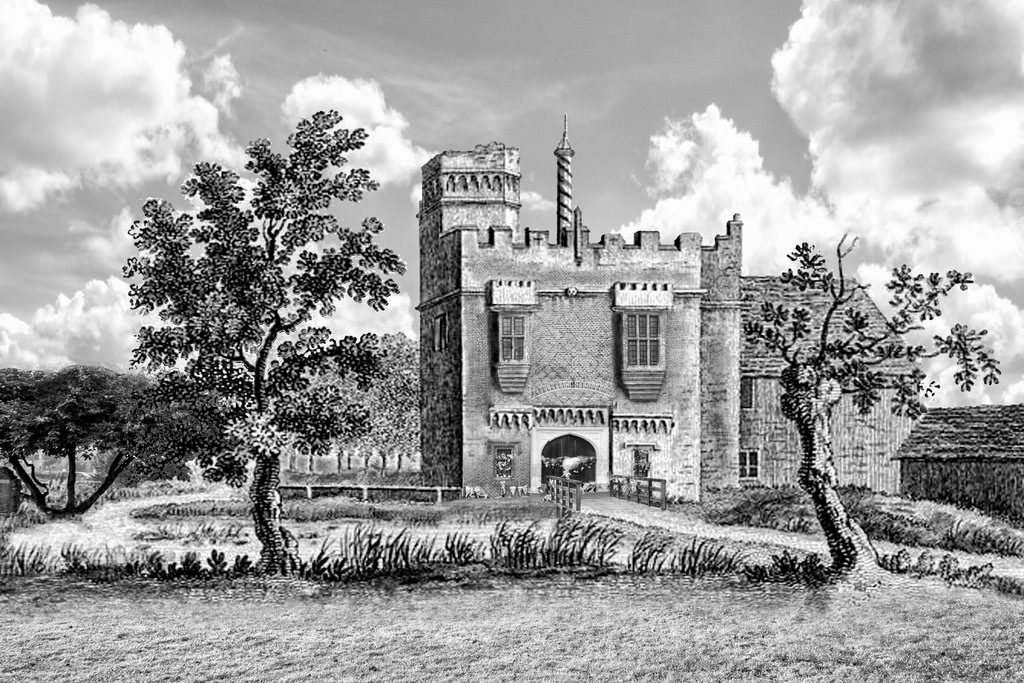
(375, 492)
(640, 489)
(566, 494)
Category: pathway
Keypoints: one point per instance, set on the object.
(763, 543)
(108, 525)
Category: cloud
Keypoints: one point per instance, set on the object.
(90, 101)
(356, 318)
(221, 80)
(106, 245)
(913, 113)
(388, 155)
(94, 326)
(534, 201)
(704, 170)
(981, 307)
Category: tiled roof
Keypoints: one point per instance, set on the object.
(758, 361)
(976, 432)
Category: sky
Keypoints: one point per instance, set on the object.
(899, 122)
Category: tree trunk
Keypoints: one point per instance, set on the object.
(279, 553)
(38, 495)
(811, 410)
(69, 506)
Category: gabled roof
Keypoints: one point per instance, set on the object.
(975, 432)
(755, 360)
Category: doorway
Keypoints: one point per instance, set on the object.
(570, 452)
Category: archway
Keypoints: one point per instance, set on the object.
(569, 452)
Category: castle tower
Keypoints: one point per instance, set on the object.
(465, 193)
(564, 153)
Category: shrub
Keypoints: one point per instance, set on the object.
(790, 568)
(210, 532)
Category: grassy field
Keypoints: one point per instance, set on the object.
(499, 630)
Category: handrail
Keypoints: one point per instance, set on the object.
(566, 493)
(640, 489)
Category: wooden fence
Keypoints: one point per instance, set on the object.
(344, 460)
(640, 489)
(373, 492)
(566, 494)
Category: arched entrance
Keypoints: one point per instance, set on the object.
(571, 453)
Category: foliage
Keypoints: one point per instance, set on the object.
(83, 413)
(391, 403)
(243, 289)
(790, 568)
(856, 354)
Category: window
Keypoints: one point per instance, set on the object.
(503, 462)
(748, 464)
(641, 462)
(746, 393)
(642, 339)
(441, 332)
(513, 337)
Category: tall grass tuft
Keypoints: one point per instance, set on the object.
(460, 550)
(517, 548)
(656, 552)
(27, 560)
(576, 541)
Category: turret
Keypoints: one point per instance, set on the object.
(477, 189)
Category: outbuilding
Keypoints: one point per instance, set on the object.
(971, 456)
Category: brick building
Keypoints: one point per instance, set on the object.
(547, 353)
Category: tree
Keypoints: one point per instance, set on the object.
(850, 354)
(391, 404)
(236, 287)
(72, 414)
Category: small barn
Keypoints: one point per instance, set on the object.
(971, 456)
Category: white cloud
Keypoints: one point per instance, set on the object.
(94, 326)
(221, 80)
(704, 170)
(914, 113)
(535, 201)
(93, 101)
(356, 318)
(388, 155)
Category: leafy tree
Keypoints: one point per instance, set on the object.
(236, 286)
(72, 414)
(845, 353)
(391, 404)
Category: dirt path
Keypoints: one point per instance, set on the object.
(766, 542)
(110, 525)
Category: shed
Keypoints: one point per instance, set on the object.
(10, 491)
(970, 456)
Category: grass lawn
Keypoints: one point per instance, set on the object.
(52, 629)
